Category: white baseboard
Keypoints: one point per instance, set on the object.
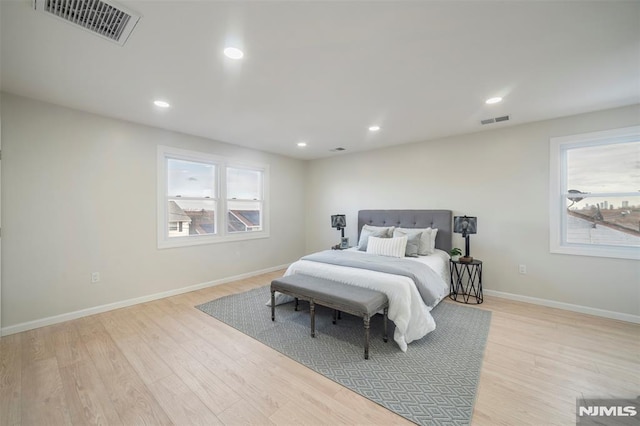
(566, 306)
(30, 325)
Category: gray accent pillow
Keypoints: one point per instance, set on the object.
(413, 241)
(366, 233)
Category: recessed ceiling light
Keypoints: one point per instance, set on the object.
(493, 100)
(374, 128)
(161, 104)
(302, 144)
(233, 53)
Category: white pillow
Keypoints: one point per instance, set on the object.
(394, 247)
(428, 240)
(432, 246)
(388, 230)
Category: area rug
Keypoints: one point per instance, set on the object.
(433, 383)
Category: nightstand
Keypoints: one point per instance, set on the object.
(466, 281)
(337, 247)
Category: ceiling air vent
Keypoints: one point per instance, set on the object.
(338, 149)
(104, 18)
(495, 120)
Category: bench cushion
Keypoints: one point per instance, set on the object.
(362, 299)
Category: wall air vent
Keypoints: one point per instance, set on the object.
(495, 120)
(104, 18)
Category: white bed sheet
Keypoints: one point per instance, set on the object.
(409, 313)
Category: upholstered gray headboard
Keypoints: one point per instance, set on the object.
(440, 219)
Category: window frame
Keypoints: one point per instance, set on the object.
(558, 191)
(221, 164)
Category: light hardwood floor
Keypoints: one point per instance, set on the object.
(165, 362)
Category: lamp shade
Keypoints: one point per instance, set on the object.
(465, 225)
(338, 221)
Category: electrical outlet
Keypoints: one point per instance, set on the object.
(95, 277)
(522, 269)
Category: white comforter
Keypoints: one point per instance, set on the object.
(406, 308)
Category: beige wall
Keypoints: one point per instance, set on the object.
(79, 196)
(501, 176)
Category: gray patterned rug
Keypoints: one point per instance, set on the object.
(433, 383)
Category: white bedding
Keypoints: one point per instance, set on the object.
(406, 309)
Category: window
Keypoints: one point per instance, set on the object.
(206, 199)
(595, 198)
(191, 197)
(244, 200)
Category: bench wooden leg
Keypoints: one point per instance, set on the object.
(385, 337)
(312, 308)
(335, 315)
(366, 337)
(273, 305)
(296, 308)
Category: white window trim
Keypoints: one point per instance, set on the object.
(223, 235)
(557, 209)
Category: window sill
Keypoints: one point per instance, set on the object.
(632, 253)
(209, 239)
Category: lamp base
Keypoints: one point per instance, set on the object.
(465, 259)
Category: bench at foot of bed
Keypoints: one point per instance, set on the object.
(358, 301)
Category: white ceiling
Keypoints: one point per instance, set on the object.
(323, 72)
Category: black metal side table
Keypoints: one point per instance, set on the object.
(466, 281)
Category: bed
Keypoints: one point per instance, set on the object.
(411, 295)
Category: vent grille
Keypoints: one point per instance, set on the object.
(338, 149)
(100, 17)
(495, 119)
